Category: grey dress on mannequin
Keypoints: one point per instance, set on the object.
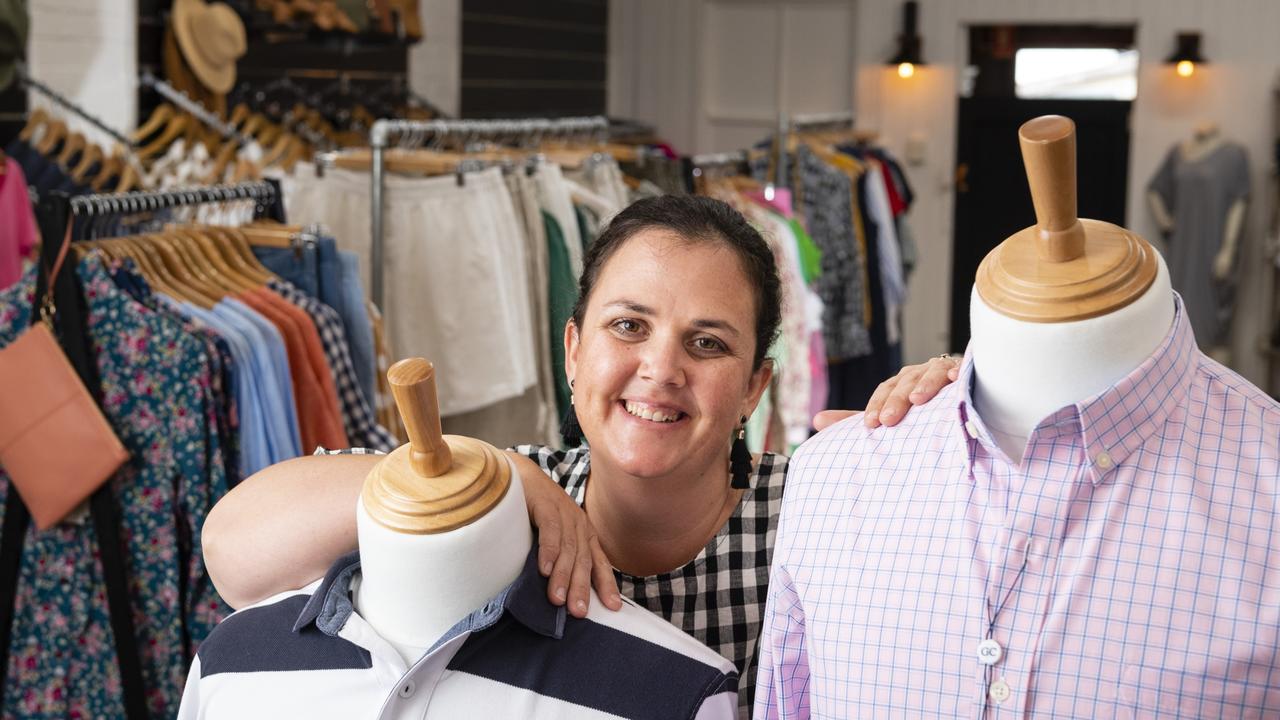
(1199, 194)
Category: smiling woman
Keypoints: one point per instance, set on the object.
(666, 351)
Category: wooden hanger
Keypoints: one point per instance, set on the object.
(234, 248)
(176, 127)
(279, 149)
(54, 133)
(74, 144)
(160, 118)
(1062, 268)
(197, 272)
(92, 154)
(239, 242)
(36, 121)
(239, 114)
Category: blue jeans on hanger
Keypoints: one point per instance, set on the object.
(329, 272)
(359, 329)
(296, 265)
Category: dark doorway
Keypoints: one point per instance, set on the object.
(992, 198)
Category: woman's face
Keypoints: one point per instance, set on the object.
(662, 364)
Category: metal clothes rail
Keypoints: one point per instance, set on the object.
(411, 133)
(58, 98)
(182, 100)
(116, 203)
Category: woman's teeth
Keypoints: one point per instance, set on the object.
(643, 411)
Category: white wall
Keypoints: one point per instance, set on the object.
(1234, 90)
(435, 64)
(714, 75)
(88, 51)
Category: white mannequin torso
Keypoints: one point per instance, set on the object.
(414, 588)
(1025, 371)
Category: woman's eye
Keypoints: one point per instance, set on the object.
(708, 344)
(626, 326)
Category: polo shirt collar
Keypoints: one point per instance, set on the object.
(525, 599)
(1115, 422)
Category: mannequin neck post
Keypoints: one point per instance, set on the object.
(1026, 371)
(415, 587)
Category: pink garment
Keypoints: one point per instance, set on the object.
(819, 386)
(17, 223)
(781, 202)
(1129, 562)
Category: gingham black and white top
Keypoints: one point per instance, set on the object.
(719, 596)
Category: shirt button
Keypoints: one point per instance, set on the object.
(1103, 460)
(972, 429)
(999, 691)
(407, 689)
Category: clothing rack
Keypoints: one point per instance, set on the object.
(31, 83)
(114, 203)
(411, 133)
(198, 111)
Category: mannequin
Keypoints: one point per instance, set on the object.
(1026, 370)
(1206, 139)
(442, 613)
(1020, 545)
(415, 585)
(417, 582)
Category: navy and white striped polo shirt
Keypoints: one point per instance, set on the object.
(309, 654)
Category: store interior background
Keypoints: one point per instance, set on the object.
(714, 75)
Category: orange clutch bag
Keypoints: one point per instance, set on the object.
(55, 443)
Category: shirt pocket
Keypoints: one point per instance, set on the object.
(1151, 692)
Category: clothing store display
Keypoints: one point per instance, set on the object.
(1199, 193)
(18, 234)
(1111, 615)
(517, 656)
(211, 37)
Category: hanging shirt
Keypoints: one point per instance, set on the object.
(155, 394)
(268, 345)
(255, 448)
(18, 232)
(310, 654)
(1129, 562)
(357, 415)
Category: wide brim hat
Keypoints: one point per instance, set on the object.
(211, 38)
(14, 24)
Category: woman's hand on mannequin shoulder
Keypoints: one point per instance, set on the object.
(913, 385)
(569, 552)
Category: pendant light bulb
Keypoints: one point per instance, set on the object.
(906, 70)
(1186, 68)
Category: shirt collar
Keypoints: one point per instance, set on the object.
(525, 599)
(1115, 422)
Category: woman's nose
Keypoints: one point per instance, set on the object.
(662, 362)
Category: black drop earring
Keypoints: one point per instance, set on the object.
(740, 458)
(570, 432)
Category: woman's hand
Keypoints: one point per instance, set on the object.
(913, 385)
(569, 550)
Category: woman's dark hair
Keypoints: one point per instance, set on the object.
(695, 219)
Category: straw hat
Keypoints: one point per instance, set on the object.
(211, 38)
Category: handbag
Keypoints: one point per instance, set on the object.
(55, 444)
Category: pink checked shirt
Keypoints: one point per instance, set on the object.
(1133, 557)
